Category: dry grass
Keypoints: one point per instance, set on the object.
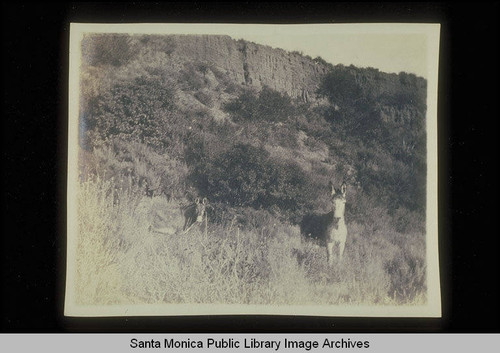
(120, 260)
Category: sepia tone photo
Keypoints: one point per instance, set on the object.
(253, 169)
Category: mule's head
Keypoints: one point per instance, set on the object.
(338, 199)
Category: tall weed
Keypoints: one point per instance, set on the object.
(122, 260)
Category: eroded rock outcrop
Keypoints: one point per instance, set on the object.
(253, 64)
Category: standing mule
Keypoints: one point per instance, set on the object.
(329, 228)
(194, 213)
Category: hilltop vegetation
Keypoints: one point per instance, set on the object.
(153, 123)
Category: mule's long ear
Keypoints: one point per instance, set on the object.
(205, 201)
(197, 201)
(332, 189)
(343, 189)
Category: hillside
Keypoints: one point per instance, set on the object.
(260, 132)
(178, 93)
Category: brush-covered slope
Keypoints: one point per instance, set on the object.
(252, 126)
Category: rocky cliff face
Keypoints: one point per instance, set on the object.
(253, 64)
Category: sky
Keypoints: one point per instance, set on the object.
(387, 47)
(386, 52)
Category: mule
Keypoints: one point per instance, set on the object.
(330, 228)
(194, 213)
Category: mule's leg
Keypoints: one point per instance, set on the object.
(341, 249)
(186, 223)
(329, 252)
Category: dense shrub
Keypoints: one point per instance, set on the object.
(246, 176)
(140, 110)
(244, 107)
(268, 105)
(341, 88)
(273, 105)
(407, 273)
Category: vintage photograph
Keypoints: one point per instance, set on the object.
(253, 169)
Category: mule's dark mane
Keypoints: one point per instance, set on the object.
(315, 225)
